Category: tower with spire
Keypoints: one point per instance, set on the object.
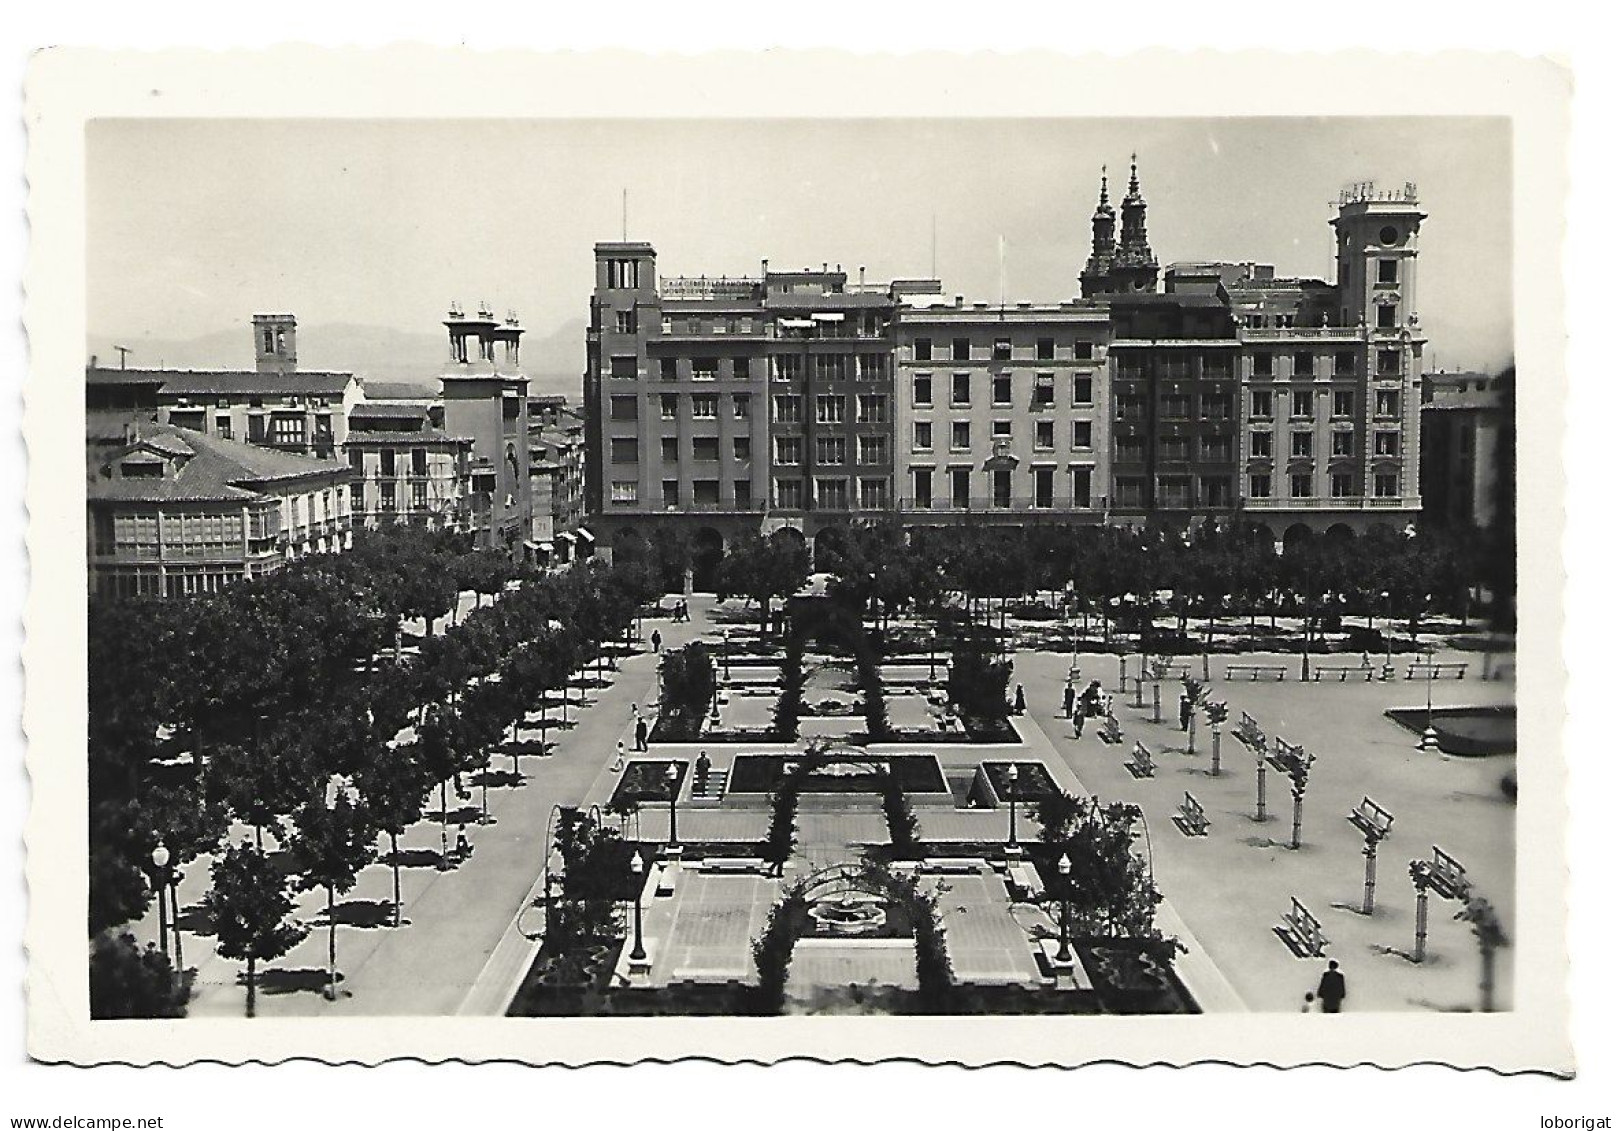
(1095, 276)
(1134, 268)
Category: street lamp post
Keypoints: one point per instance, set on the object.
(174, 915)
(672, 778)
(1063, 956)
(160, 874)
(638, 953)
(1013, 807)
(726, 651)
(1390, 668)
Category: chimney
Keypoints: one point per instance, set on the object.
(92, 361)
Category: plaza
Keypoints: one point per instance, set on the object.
(473, 936)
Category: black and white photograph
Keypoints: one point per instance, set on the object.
(988, 583)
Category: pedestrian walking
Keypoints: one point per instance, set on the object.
(1331, 989)
(658, 641)
(1306, 1006)
(1018, 699)
(1186, 709)
(1069, 700)
(464, 848)
(1092, 699)
(619, 755)
(641, 734)
(1079, 721)
(701, 770)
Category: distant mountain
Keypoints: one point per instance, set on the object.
(553, 361)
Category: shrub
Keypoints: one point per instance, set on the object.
(977, 681)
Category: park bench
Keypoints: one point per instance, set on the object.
(1110, 732)
(1443, 670)
(1142, 761)
(1189, 816)
(952, 865)
(1371, 819)
(1301, 931)
(1444, 875)
(731, 864)
(664, 881)
(1256, 671)
(1025, 881)
(1344, 672)
(1284, 755)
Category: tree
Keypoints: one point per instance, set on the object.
(1109, 889)
(248, 906)
(447, 751)
(129, 981)
(394, 786)
(761, 569)
(334, 842)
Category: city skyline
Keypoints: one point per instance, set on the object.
(384, 224)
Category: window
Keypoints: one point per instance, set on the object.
(667, 406)
(1129, 407)
(1002, 488)
(1263, 365)
(1128, 492)
(705, 368)
(1080, 485)
(1046, 349)
(742, 494)
(872, 449)
(959, 434)
(787, 408)
(1384, 486)
(623, 368)
(667, 368)
(830, 409)
(1002, 349)
(1130, 449)
(1387, 270)
(1174, 448)
(740, 369)
(959, 488)
(1260, 486)
(1384, 443)
(1300, 486)
(222, 425)
(357, 459)
(385, 463)
(830, 449)
(1215, 406)
(1216, 449)
(706, 492)
(1303, 365)
(922, 487)
(1260, 445)
(741, 448)
(740, 406)
(419, 461)
(959, 349)
(788, 450)
(623, 491)
(1387, 402)
(706, 449)
(623, 274)
(670, 450)
(1389, 363)
(623, 450)
(1342, 443)
(833, 494)
(1300, 443)
(922, 349)
(1044, 435)
(1303, 404)
(1261, 404)
(1042, 394)
(287, 430)
(1080, 435)
(874, 494)
(872, 408)
(1344, 402)
(831, 366)
(625, 321)
(787, 367)
(922, 436)
(961, 391)
(1345, 363)
(1174, 492)
(923, 390)
(789, 494)
(419, 496)
(1340, 485)
(1001, 389)
(1218, 366)
(705, 406)
(622, 408)
(1082, 389)
(1083, 351)
(1001, 429)
(1044, 487)
(1385, 316)
(385, 499)
(1217, 490)
(1176, 406)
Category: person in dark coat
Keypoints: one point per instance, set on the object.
(701, 771)
(1331, 990)
(1186, 708)
(658, 641)
(1069, 700)
(1092, 699)
(641, 734)
(1018, 699)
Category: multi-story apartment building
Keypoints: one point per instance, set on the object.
(557, 473)
(1467, 445)
(174, 512)
(1231, 395)
(486, 400)
(1002, 411)
(410, 468)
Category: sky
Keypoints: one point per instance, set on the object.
(194, 225)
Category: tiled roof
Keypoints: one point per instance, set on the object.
(397, 391)
(225, 382)
(397, 436)
(388, 411)
(217, 470)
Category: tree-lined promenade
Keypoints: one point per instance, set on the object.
(291, 706)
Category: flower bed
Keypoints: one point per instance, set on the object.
(763, 773)
(644, 782)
